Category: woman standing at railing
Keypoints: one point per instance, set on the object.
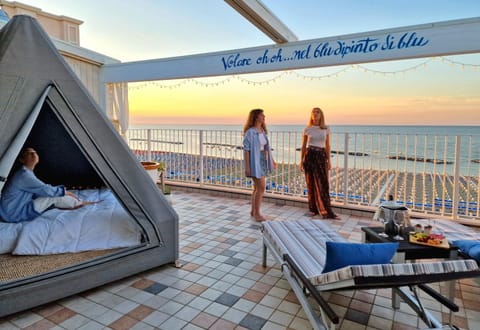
(315, 162)
(258, 157)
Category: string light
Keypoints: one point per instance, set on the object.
(267, 81)
(309, 77)
(460, 64)
(385, 73)
(241, 78)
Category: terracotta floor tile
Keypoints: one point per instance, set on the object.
(292, 297)
(387, 293)
(140, 312)
(196, 289)
(204, 320)
(252, 295)
(360, 306)
(340, 300)
(399, 326)
(47, 310)
(458, 321)
(186, 250)
(190, 267)
(142, 283)
(222, 324)
(260, 269)
(224, 245)
(472, 304)
(194, 245)
(123, 323)
(61, 315)
(249, 239)
(262, 287)
(364, 296)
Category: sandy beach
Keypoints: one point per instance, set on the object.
(425, 192)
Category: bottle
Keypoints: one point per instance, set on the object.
(390, 228)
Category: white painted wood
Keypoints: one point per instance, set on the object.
(426, 40)
(260, 16)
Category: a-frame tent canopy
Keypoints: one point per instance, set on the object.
(44, 105)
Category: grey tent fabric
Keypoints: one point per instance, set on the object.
(8, 159)
(78, 146)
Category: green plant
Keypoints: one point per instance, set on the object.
(167, 190)
(161, 166)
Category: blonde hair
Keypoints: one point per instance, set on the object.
(322, 124)
(252, 117)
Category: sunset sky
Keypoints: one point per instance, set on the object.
(431, 91)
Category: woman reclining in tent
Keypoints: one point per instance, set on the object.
(25, 197)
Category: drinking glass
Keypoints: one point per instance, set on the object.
(398, 220)
(383, 221)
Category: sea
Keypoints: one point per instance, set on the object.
(387, 146)
(374, 129)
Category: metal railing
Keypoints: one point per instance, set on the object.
(430, 174)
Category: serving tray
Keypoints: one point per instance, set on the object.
(443, 245)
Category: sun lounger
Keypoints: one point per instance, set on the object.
(300, 247)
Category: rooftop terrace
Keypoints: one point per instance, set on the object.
(222, 285)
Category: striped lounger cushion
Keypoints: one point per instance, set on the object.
(304, 241)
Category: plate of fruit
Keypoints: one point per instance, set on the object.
(430, 239)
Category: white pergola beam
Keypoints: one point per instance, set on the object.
(419, 41)
(260, 16)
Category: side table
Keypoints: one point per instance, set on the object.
(407, 251)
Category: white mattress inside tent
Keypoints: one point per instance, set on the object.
(104, 225)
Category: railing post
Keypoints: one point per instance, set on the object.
(149, 145)
(345, 170)
(200, 141)
(456, 178)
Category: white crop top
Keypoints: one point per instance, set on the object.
(316, 137)
(263, 141)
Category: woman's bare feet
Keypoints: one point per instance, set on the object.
(259, 218)
(332, 217)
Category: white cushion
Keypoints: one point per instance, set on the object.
(9, 236)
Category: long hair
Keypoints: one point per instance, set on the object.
(252, 117)
(322, 125)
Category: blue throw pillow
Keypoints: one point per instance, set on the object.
(470, 247)
(475, 252)
(346, 254)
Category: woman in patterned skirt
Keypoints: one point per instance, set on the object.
(315, 162)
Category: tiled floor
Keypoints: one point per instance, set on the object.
(222, 285)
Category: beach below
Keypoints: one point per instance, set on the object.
(423, 192)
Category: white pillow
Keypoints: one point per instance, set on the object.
(8, 236)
